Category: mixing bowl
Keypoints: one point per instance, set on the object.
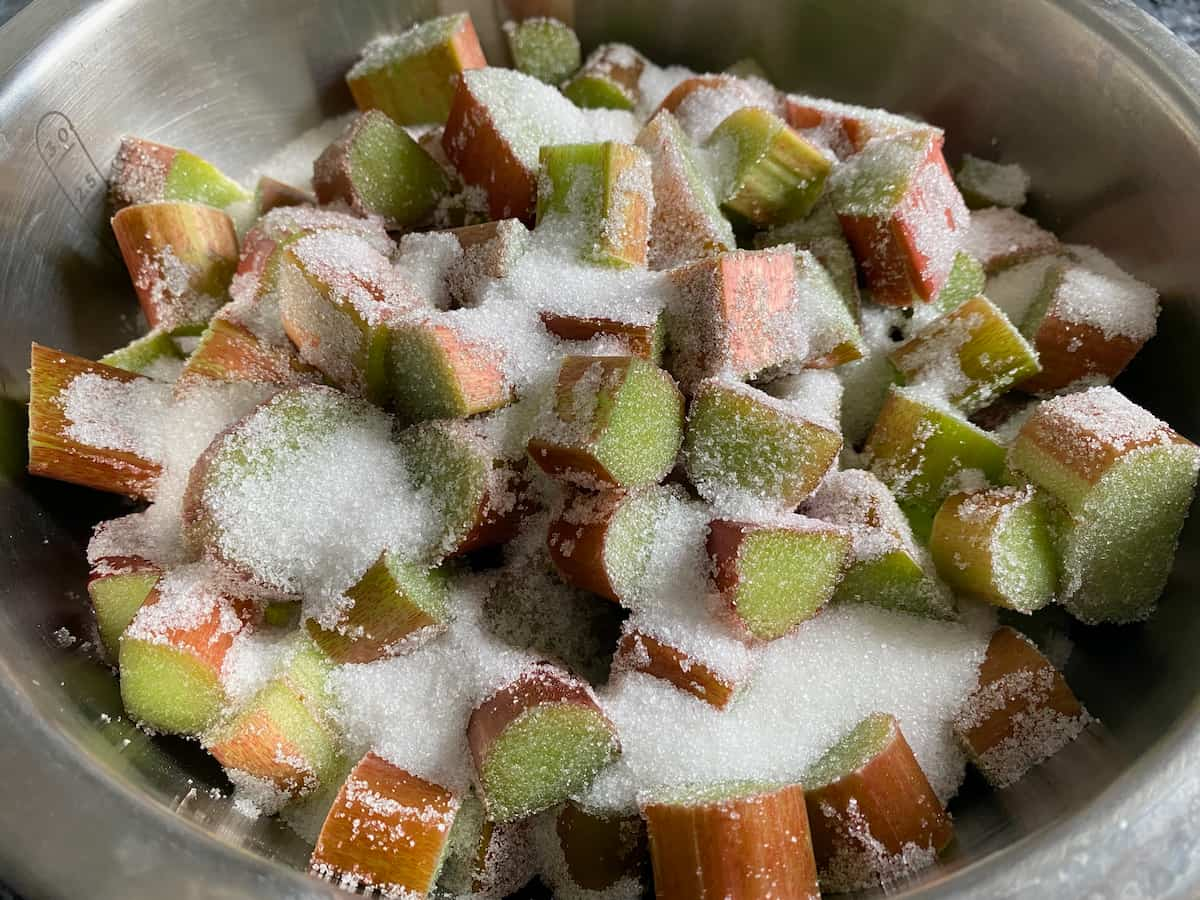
(1100, 103)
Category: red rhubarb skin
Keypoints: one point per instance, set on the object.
(600, 850)
(584, 566)
(640, 652)
(1070, 351)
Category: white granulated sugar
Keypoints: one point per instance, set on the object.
(163, 368)
(998, 236)
(1100, 294)
(253, 659)
(117, 415)
(865, 381)
(799, 703)
(1015, 289)
(254, 797)
(860, 502)
(188, 597)
(814, 394)
(169, 283)
(933, 356)
(310, 518)
(612, 125)
(655, 82)
(293, 163)
(706, 107)
(427, 261)
(1005, 185)
(1110, 420)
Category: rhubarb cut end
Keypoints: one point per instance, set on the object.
(168, 689)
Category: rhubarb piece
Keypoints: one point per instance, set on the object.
(998, 546)
(873, 815)
(738, 841)
(922, 450)
(537, 741)
(768, 173)
(490, 251)
(172, 652)
(687, 223)
(388, 831)
(410, 77)
(833, 336)
(1126, 480)
(339, 299)
(820, 233)
(773, 577)
(1021, 714)
(118, 587)
(151, 354)
(181, 257)
(377, 169)
(815, 394)
(592, 851)
(741, 442)
(984, 183)
(477, 497)
(146, 172)
(282, 736)
(965, 281)
(229, 351)
(393, 603)
(638, 652)
(591, 536)
(542, 47)
(608, 80)
(886, 567)
(270, 194)
(499, 121)
(703, 102)
(1000, 238)
(734, 313)
(970, 356)
(845, 128)
(601, 195)
(484, 859)
(643, 339)
(1087, 322)
(902, 215)
(82, 453)
(438, 371)
(611, 421)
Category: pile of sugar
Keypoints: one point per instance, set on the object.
(1099, 294)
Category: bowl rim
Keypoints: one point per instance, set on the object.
(1155, 797)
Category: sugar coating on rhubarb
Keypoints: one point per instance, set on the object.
(845, 127)
(986, 183)
(866, 380)
(718, 97)
(999, 237)
(816, 394)
(543, 47)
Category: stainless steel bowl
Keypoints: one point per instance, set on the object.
(1101, 104)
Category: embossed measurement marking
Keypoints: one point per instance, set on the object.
(68, 159)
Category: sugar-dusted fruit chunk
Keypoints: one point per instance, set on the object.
(173, 651)
(833, 337)
(181, 258)
(610, 421)
(490, 250)
(594, 536)
(736, 840)
(1000, 237)
(1087, 322)
(585, 851)
(656, 656)
(117, 587)
(387, 831)
(985, 183)
(873, 815)
(537, 741)
(411, 76)
(1020, 715)
(766, 172)
(599, 198)
(923, 450)
(846, 128)
(734, 313)
(820, 233)
(743, 443)
(903, 216)
(543, 47)
(230, 351)
(146, 172)
(970, 355)
(75, 434)
(282, 736)
(703, 102)
(637, 335)
(998, 545)
(338, 299)
(484, 859)
(439, 369)
(1127, 481)
(775, 576)
(965, 281)
(155, 355)
(394, 603)
(271, 193)
(377, 169)
(477, 497)
(886, 567)
(609, 79)
(499, 121)
(687, 223)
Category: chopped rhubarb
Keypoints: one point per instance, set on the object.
(965, 281)
(543, 47)
(845, 128)
(592, 851)
(117, 587)
(181, 258)
(873, 815)
(146, 172)
(271, 194)
(149, 355)
(820, 233)
(490, 251)
(609, 79)
(1000, 238)
(411, 76)
(985, 183)
(833, 337)
(537, 741)
(387, 831)
(229, 351)
(1021, 714)
(702, 102)
(903, 216)
(745, 841)
(645, 653)
(638, 338)
(611, 421)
